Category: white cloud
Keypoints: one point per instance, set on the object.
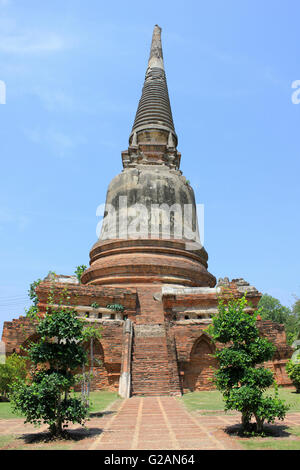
(15, 39)
(8, 217)
(54, 100)
(61, 143)
(60, 140)
(32, 43)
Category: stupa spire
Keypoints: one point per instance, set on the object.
(149, 232)
(156, 54)
(154, 109)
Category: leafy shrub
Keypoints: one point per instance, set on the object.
(293, 370)
(238, 377)
(95, 305)
(116, 307)
(79, 271)
(58, 353)
(13, 370)
(42, 401)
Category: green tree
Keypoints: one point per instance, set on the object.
(293, 371)
(46, 398)
(294, 328)
(13, 370)
(272, 309)
(79, 271)
(240, 377)
(293, 366)
(33, 309)
(296, 308)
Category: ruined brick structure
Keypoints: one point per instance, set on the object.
(158, 344)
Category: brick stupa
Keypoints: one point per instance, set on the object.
(158, 272)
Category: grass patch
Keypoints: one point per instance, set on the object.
(99, 401)
(277, 437)
(206, 400)
(13, 442)
(6, 439)
(43, 447)
(41, 440)
(6, 411)
(274, 444)
(211, 403)
(215, 413)
(289, 396)
(295, 431)
(56, 447)
(212, 400)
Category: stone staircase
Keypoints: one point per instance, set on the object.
(150, 362)
(150, 374)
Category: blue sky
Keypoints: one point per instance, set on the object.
(74, 71)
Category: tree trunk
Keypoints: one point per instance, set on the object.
(58, 424)
(83, 384)
(92, 367)
(259, 424)
(245, 421)
(56, 428)
(52, 429)
(59, 430)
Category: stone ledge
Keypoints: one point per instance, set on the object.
(168, 290)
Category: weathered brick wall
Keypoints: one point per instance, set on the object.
(174, 377)
(16, 333)
(194, 349)
(276, 334)
(149, 310)
(181, 357)
(107, 351)
(78, 294)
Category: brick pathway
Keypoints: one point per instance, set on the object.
(161, 423)
(149, 423)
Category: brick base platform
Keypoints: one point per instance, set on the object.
(165, 348)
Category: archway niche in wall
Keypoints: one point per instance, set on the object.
(98, 354)
(198, 371)
(22, 350)
(34, 338)
(99, 372)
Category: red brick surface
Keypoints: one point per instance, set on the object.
(176, 359)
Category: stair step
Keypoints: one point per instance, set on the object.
(150, 366)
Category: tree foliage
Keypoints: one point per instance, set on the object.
(46, 397)
(295, 326)
(79, 271)
(33, 309)
(293, 370)
(293, 366)
(272, 309)
(11, 371)
(240, 377)
(116, 307)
